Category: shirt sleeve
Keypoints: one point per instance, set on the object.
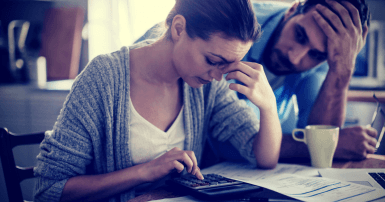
(307, 93)
(233, 121)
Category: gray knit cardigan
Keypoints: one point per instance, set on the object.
(92, 132)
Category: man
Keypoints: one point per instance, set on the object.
(295, 41)
(308, 49)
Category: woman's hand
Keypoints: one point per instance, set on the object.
(256, 86)
(173, 159)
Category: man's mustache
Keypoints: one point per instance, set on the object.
(283, 60)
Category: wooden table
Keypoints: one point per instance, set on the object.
(372, 161)
(365, 95)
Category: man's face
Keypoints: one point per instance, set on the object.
(301, 45)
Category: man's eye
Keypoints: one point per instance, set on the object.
(317, 55)
(299, 36)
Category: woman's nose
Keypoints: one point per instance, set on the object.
(216, 74)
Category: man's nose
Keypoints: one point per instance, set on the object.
(216, 74)
(297, 53)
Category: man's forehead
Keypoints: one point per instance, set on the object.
(315, 34)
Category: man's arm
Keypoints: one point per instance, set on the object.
(346, 38)
(292, 149)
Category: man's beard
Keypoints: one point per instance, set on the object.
(280, 59)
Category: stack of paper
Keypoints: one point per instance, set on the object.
(299, 182)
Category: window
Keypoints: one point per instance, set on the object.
(116, 23)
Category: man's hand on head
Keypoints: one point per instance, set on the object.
(346, 36)
(356, 142)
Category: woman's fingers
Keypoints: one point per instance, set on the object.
(240, 76)
(177, 165)
(198, 174)
(188, 159)
(193, 158)
(247, 68)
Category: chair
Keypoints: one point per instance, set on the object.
(13, 174)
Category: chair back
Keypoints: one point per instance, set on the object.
(13, 174)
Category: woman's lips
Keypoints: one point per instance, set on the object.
(203, 81)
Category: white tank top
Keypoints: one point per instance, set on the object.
(148, 142)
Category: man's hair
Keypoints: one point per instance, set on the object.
(233, 18)
(361, 6)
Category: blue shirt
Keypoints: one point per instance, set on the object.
(305, 85)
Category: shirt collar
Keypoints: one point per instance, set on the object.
(269, 15)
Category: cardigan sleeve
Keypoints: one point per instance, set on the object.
(232, 120)
(70, 146)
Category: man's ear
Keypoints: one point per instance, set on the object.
(178, 26)
(291, 10)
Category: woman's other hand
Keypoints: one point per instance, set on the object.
(174, 159)
(256, 86)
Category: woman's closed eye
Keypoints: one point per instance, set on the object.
(212, 63)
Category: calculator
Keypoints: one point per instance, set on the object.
(213, 186)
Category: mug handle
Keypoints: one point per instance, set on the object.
(299, 139)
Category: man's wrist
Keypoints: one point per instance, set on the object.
(338, 82)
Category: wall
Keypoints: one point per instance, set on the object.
(24, 109)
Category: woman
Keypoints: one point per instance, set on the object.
(136, 115)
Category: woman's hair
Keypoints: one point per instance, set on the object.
(232, 18)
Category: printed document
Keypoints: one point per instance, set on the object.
(300, 182)
(246, 171)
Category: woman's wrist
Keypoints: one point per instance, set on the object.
(270, 110)
(142, 173)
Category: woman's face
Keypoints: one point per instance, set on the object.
(198, 61)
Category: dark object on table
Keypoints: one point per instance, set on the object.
(213, 187)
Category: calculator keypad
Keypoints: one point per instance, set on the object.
(210, 180)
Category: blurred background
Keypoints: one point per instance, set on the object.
(45, 44)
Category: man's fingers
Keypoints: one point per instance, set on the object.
(354, 13)
(370, 149)
(343, 13)
(332, 17)
(371, 131)
(324, 25)
(372, 142)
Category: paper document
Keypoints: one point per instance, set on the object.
(179, 199)
(243, 171)
(299, 182)
(318, 188)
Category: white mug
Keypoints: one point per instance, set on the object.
(321, 141)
